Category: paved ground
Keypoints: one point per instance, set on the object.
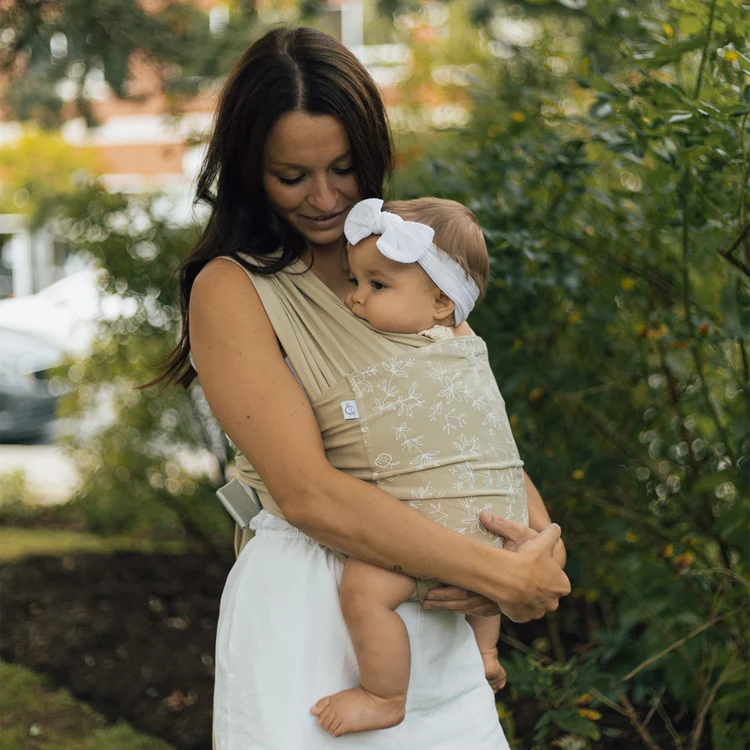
(50, 475)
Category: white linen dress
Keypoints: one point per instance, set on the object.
(282, 645)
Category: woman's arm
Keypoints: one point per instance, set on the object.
(263, 410)
(539, 518)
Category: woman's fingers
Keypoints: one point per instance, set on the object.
(511, 531)
(478, 606)
(541, 581)
(448, 593)
(453, 599)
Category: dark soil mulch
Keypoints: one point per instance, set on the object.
(131, 634)
(134, 636)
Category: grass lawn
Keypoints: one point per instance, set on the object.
(16, 543)
(36, 716)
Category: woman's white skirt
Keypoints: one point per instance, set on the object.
(282, 644)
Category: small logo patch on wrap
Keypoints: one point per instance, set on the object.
(349, 409)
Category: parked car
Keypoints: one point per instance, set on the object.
(26, 404)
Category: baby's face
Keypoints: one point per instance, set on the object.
(390, 296)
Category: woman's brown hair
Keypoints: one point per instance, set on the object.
(286, 70)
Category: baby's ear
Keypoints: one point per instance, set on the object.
(443, 306)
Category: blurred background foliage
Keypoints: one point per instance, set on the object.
(605, 152)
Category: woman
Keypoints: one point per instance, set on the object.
(300, 137)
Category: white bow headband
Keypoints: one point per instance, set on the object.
(411, 242)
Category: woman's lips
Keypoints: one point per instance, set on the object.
(324, 222)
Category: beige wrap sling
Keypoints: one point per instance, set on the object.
(421, 419)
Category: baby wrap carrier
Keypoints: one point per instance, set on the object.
(421, 419)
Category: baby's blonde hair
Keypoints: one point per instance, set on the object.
(457, 232)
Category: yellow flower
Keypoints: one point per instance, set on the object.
(668, 30)
(610, 547)
(589, 713)
(627, 284)
(502, 711)
(590, 231)
(517, 116)
(668, 550)
(657, 333)
(584, 700)
(684, 560)
(592, 595)
(578, 474)
(731, 56)
(631, 537)
(574, 317)
(513, 421)
(536, 395)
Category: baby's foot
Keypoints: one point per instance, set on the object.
(356, 710)
(493, 670)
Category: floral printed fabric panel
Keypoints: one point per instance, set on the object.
(437, 435)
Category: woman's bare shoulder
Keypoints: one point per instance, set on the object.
(223, 285)
(225, 307)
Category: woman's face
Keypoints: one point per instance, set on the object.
(308, 175)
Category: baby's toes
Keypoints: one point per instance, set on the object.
(319, 707)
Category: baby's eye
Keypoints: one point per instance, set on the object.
(377, 285)
(352, 280)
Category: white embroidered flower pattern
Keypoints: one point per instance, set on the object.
(385, 461)
(466, 476)
(425, 460)
(360, 383)
(471, 520)
(470, 445)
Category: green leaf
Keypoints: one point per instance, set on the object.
(569, 720)
(680, 117)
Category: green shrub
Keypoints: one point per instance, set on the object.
(608, 166)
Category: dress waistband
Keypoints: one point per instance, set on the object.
(266, 522)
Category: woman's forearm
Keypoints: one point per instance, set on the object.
(361, 520)
(539, 517)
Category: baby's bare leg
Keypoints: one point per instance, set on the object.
(369, 595)
(487, 631)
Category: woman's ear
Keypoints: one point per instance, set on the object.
(443, 306)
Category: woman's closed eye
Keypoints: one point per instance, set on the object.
(289, 180)
(342, 171)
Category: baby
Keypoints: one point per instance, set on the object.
(419, 267)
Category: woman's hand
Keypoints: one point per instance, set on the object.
(516, 534)
(539, 581)
(460, 601)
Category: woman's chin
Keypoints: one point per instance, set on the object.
(325, 237)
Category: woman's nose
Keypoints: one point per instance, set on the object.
(323, 197)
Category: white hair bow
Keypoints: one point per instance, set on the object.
(402, 241)
(411, 242)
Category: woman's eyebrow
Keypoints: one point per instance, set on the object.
(292, 165)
